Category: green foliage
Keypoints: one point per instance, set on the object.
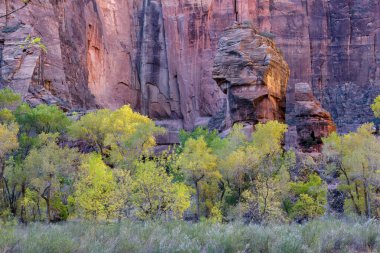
(43, 118)
(311, 198)
(93, 128)
(32, 42)
(8, 139)
(376, 107)
(49, 168)
(6, 116)
(197, 160)
(268, 170)
(9, 99)
(232, 178)
(268, 137)
(211, 138)
(130, 136)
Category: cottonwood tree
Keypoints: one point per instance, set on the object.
(120, 136)
(130, 136)
(198, 164)
(268, 172)
(273, 161)
(8, 143)
(376, 107)
(235, 169)
(48, 168)
(96, 195)
(9, 99)
(356, 158)
(41, 119)
(92, 128)
(155, 195)
(311, 198)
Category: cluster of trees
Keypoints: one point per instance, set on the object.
(102, 166)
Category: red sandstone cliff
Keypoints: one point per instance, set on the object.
(157, 55)
(251, 70)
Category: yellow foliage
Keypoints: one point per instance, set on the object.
(356, 156)
(96, 190)
(376, 107)
(8, 139)
(154, 193)
(197, 160)
(121, 135)
(267, 139)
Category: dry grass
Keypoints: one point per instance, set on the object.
(325, 235)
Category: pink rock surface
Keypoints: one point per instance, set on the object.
(251, 70)
(308, 122)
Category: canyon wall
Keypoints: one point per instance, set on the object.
(157, 55)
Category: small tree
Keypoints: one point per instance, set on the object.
(96, 190)
(356, 158)
(271, 173)
(376, 107)
(41, 119)
(92, 128)
(130, 136)
(198, 163)
(8, 143)
(48, 168)
(120, 136)
(155, 194)
(311, 198)
(9, 99)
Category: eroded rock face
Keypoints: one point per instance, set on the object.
(253, 73)
(63, 70)
(157, 55)
(308, 121)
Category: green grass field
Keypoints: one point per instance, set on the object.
(324, 235)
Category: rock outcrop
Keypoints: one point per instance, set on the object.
(157, 54)
(308, 122)
(253, 73)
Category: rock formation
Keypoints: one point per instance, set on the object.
(157, 54)
(252, 72)
(308, 121)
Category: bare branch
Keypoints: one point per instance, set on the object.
(16, 10)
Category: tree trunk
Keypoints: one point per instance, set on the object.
(367, 201)
(350, 193)
(48, 218)
(197, 199)
(46, 196)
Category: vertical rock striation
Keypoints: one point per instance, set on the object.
(157, 55)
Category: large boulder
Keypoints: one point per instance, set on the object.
(308, 121)
(251, 70)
